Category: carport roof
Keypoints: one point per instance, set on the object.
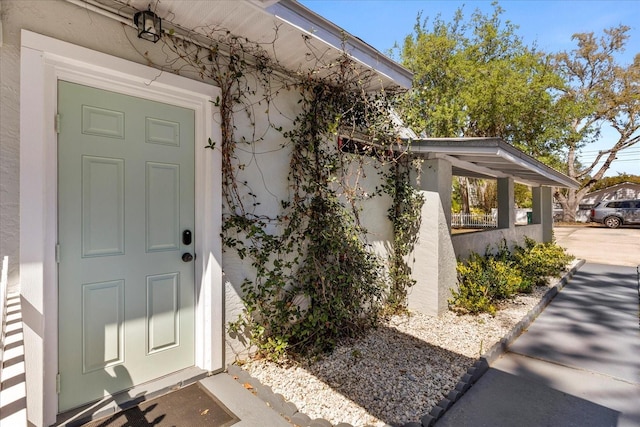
(491, 158)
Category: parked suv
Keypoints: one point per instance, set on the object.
(614, 213)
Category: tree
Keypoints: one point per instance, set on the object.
(598, 92)
(479, 79)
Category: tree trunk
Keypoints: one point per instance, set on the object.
(570, 201)
(464, 194)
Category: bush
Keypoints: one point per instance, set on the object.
(482, 282)
(485, 280)
(539, 261)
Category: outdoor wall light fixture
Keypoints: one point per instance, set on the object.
(149, 25)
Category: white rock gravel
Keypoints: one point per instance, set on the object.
(398, 371)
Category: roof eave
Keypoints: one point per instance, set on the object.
(321, 29)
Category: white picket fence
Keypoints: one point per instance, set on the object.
(463, 220)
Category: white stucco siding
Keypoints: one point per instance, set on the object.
(264, 166)
(9, 155)
(466, 243)
(262, 162)
(366, 174)
(265, 163)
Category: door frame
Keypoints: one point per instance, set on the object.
(44, 61)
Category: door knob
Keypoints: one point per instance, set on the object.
(187, 257)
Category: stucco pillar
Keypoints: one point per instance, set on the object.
(433, 260)
(506, 203)
(436, 177)
(543, 211)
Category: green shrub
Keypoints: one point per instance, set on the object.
(474, 290)
(538, 261)
(485, 280)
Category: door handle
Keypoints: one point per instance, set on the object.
(187, 257)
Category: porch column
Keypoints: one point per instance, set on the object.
(433, 260)
(506, 203)
(543, 211)
(436, 177)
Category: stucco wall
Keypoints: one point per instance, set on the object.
(265, 164)
(478, 241)
(9, 147)
(266, 168)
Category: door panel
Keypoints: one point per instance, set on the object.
(102, 122)
(162, 309)
(102, 325)
(163, 206)
(125, 194)
(102, 206)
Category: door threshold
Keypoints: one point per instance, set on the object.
(126, 399)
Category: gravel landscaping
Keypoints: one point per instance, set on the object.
(399, 371)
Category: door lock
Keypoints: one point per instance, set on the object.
(187, 257)
(186, 237)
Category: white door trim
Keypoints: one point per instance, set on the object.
(43, 62)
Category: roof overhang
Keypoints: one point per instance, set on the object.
(491, 158)
(337, 39)
(300, 32)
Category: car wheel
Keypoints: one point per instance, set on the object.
(612, 222)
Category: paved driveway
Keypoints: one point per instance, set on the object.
(600, 245)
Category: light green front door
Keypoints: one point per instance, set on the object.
(125, 200)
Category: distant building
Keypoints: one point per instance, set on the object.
(625, 190)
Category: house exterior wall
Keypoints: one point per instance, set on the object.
(268, 174)
(265, 168)
(625, 190)
(82, 28)
(433, 260)
(9, 148)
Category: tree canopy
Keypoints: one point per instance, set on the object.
(476, 78)
(598, 92)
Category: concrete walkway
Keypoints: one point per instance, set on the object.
(578, 364)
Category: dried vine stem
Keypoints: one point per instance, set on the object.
(317, 280)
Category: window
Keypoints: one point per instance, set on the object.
(353, 146)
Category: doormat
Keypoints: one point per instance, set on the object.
(190, 406)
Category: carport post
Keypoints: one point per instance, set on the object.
(433, 261)
(543, 211)
(506, 203)
(436, 177)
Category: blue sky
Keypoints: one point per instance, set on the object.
(547, 23)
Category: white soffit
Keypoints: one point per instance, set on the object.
(298, 30)
(491, 158)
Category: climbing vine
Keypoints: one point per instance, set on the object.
(405, 215)
(317, 280)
